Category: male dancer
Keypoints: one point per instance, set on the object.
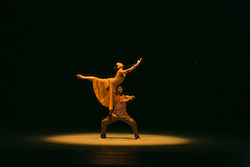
(119, 113)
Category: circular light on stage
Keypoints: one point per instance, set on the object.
(116, 139)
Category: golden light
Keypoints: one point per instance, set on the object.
(116, 139)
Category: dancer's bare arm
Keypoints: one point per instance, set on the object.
(128, 98)
(131, 68)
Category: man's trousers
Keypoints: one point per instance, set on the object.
(125, 118)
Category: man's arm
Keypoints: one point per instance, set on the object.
(128, 98)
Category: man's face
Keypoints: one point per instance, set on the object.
(119, 89)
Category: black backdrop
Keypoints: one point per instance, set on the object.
(193, 75)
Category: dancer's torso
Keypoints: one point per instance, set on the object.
(118, 79)
(119, 105)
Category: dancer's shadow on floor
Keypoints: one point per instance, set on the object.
(127, 138)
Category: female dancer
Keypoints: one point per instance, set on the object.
(105, 89)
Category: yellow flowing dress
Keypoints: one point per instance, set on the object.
(105, 89)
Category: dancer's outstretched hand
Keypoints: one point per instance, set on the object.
(138, 62)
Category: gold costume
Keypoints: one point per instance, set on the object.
(105, 89)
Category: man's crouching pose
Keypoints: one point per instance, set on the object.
(119, 113)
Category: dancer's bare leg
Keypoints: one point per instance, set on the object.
(85, 77)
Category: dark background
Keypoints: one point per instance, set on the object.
(193, 75)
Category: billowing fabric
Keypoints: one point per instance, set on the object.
(105, 89)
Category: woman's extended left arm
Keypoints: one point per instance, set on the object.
(131, 68)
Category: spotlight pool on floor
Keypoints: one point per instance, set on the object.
(116, 139)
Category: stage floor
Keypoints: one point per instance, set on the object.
(83, 148)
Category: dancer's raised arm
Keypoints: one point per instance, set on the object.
(131, 68)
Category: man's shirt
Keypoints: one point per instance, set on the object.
(120, 105)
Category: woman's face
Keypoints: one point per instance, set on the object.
(119, 65)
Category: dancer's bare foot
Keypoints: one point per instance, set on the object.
(85, 77)
(80, 76)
